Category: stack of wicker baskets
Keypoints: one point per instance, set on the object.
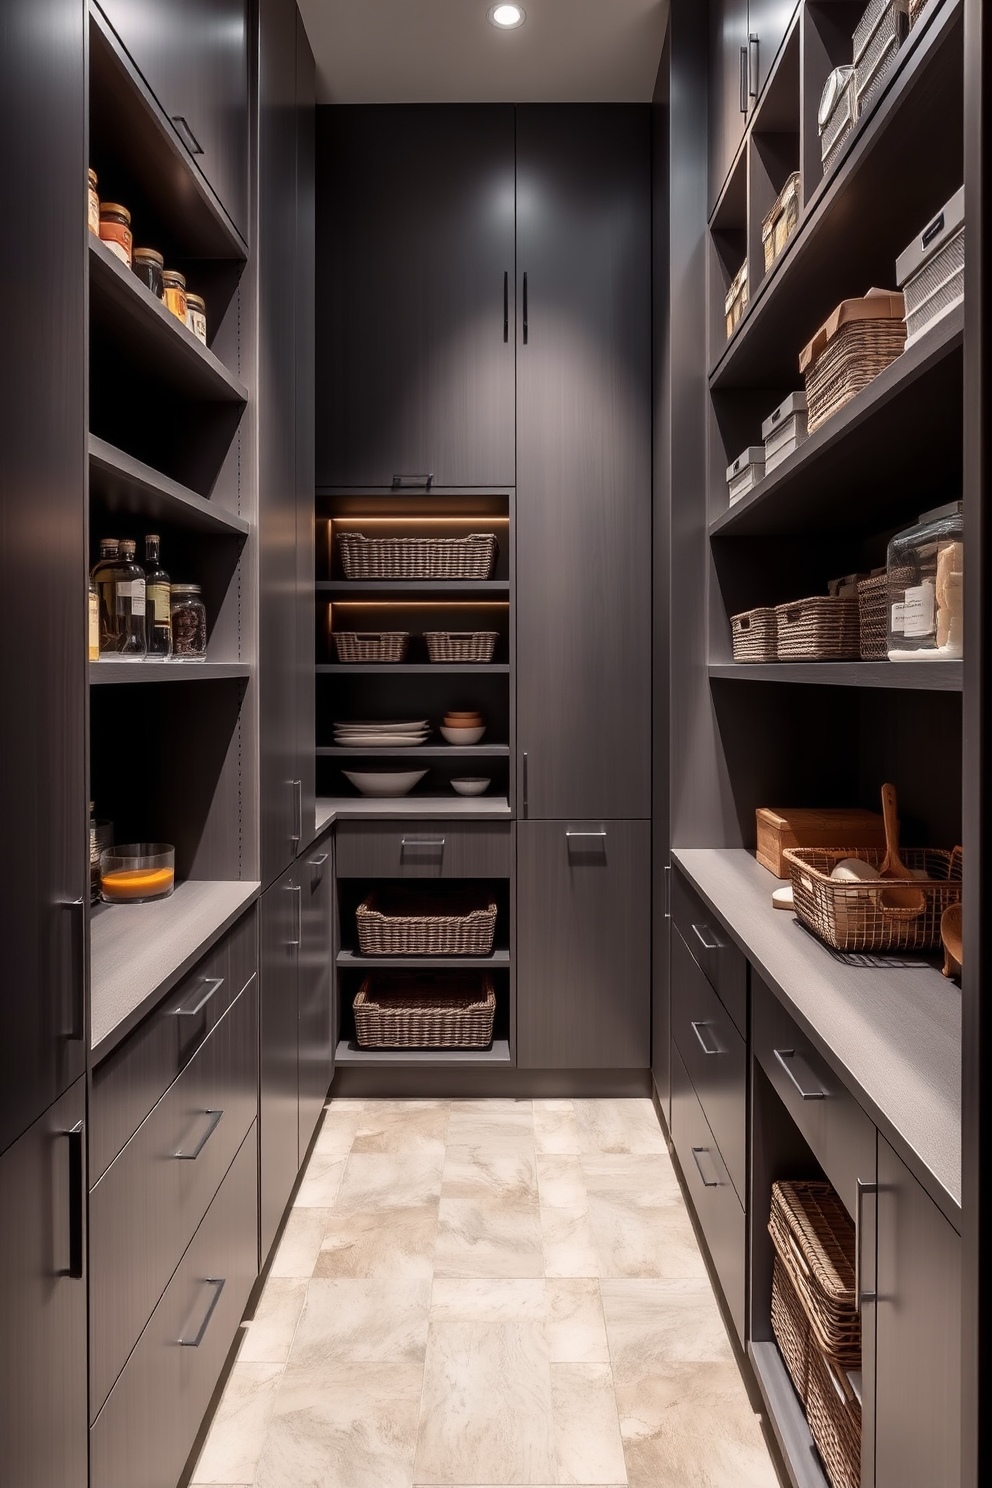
(860, 339)
(815, 1318)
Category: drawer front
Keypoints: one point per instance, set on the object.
(143, 1435)
(714, 1199)
(715, 1058)
(423, 850)
(839, 1134)
(149, 1202)
(712, 949)
(127, 1084)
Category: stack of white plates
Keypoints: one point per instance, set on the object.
(374, 735)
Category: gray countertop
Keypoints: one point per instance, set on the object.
(893, 1035)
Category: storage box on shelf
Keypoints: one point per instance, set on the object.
(745, 472)
(780, 828)
(736, 300)
(877, 38)
(784, 430)
(850, 349)
(782, 221)
(425, 1010)
(401, 923)
(755, 635)
(821, 628)
(930, 272)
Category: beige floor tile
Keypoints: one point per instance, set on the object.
(487, 1408)
(389, 1242)
(415, 1127)
(647, 1182)
(560, 1180)
(237, 1434)
(486, 1136)
(338, 1126)
(375, 1180)
(321, 1182)
(619, 1126)
(268, 1338)
(576, 1326)
(353, 1426)
(362, 1320)
(490, 1300)
(487, 1175)
(567, 1240)
(588, 1448)
(300, 1243)
(634, 1241)
(691, 1426)
(556, 1129)
(489, 1236)
(654, 1323)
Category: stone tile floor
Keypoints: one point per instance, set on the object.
(486, 1293)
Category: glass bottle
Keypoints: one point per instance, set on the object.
(158, 617)
(122, 607)
(93, 628)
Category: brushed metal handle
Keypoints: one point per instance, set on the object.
(74, 972)
(187, 136)
(667, 870)
(525, 773)
(413, 482)
(744, 70)
(421, 842)
(506, 306)
(696, 1027)
(211, 1127)
(790, 1062)
(707, 1182)
(753, 45)
(708, 945)
(297, 811)
(319, 860)
(217, 1282)
(77, 1192)
(585, 834)
(526, 314)
(190, 1009)
(861, 1297)
(298, 891)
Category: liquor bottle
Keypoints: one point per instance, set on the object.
(158, 595)
(122, 607)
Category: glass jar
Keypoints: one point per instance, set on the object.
(174, 293)
(93, 204)
(189, 623)
(196, 317)
(148, 265)
(925, 567)
(115, 230)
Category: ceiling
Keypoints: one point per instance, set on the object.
(446, 51)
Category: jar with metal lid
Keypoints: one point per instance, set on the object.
(925, 588)
(115, 230)
(189, 623)
(93, 204)
(148, 265)
(174, 293)
(196, 316)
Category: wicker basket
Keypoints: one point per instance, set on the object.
(873, 617)
(406, 922)
(818, 629)
(736, 300)
(861, 338)
(425, 1011)
(371, 645)
(858, 916)
(461, 645)
(814, 1239)
(782, 220)
(755, 635)
(916, 9)
(471, 557)
(878, 37)
(837, 115)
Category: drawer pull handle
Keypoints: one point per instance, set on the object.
(217, 1282)
(77, 1201)
(211, 1127)
(707, 1182)
(586, 834)
(696, 1027)
(190, 1009)
(791, 1062)
(708, 945)
(187, 136)
(319, 860)
(861, 1297)
(297, 811)
(413, 482)
(421, 842)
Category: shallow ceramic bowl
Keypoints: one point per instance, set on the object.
(384, 782)
(470, 785)
(463, 735)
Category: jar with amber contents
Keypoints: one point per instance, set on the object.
(93, 204)
(189, 623)
(174, 293)
(115, 230)
(148, 265)
(196, 317)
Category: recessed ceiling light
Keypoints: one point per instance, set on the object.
(507, 17)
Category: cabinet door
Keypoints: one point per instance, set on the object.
(918, 1336)
(584, 461)
(583, 945)
(279, 1151)
(43, 1302)
(306, 763)
(767, 23)
(316, 877)
(415, 374)
(728, 88)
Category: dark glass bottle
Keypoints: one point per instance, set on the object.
(158, 596)
(122, 607)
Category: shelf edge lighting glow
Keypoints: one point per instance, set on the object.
(507, 17)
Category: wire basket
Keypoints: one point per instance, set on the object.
(461, 645)
(371, 645)
(425, 1011)
(405, 922)
(822, 628)
(863, 916)
(873, 618)
(471, 557)
(755, 635)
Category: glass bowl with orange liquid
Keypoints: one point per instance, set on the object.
(135, 872)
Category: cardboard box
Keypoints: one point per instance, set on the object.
(780, 827)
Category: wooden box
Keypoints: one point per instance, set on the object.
(780, 827)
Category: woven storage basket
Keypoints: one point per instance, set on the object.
(878, 37)
(873, 617)
(471, 557)
(814, 1239)
(424, 1011)
(461, 645)
(818, 629)
(371, 645)
(404, 922)
(859, 340)
(838, 115)
(916, 9)
(755, 635)
(855, 916)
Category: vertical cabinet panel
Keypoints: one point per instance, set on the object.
(415, 246)
(583, 996)
(43, 1306)
(279, 931)
(584, 461)
(316, 1041)
(306, 98)
(727, 91)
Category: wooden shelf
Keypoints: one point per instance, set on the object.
(349, 1053)
(413, 669)
(121, 305)
(919, 676)
(499, 959)
(125, 485)
(426, 808)
(419, 752)
(344, 589)
(135, 673)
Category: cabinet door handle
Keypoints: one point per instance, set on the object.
(74, 972)
(413, 482)
(77, 1193)
(217, 1282)
(743, 79)
(190, 1008)
(860, 1297)
(525, 774)
(421, 842)
(297, 811)
(707, 1182)
(791, 1062)
(187, 136)
(696, 1027)
(319, 860)
(752, 66)
(716, 944)
(506, 306)
(667, 870)
(526, 317)
(211, 1127)
(298, 891)
(585, 834)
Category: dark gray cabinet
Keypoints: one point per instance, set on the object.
(583, 658)
(415, 295)
(316, 1035)
(767, 23)
(193, 54)
(583, 899)
(728, 89)
(43, 1301)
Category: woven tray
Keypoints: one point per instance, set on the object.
(854, 916)
(471, 557)
(405, 922)
(371, 645)
(814, 1239)
(873, 618)
(818, 629)
(461, 645)
(425, 1011)
(755, 635)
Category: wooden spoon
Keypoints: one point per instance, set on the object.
(951, 935)
(910, 900)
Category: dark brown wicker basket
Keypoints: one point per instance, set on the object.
(371, 645)
(857, 354)
(471, 557)
(407, 922)
(755, 635)
(425, 1011)
(461, 645)
(822, 628)
(814, 1239)
(873, 618)
(858, 916)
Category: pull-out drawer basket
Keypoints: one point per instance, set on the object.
(402, 922)
(425, 1011)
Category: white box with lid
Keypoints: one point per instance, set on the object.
(746, 471)
(930, 272)
(784, 430)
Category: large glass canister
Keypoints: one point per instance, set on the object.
(925, 585)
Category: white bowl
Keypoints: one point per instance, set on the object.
(384, 782)
(463, 735)
(470, 786)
